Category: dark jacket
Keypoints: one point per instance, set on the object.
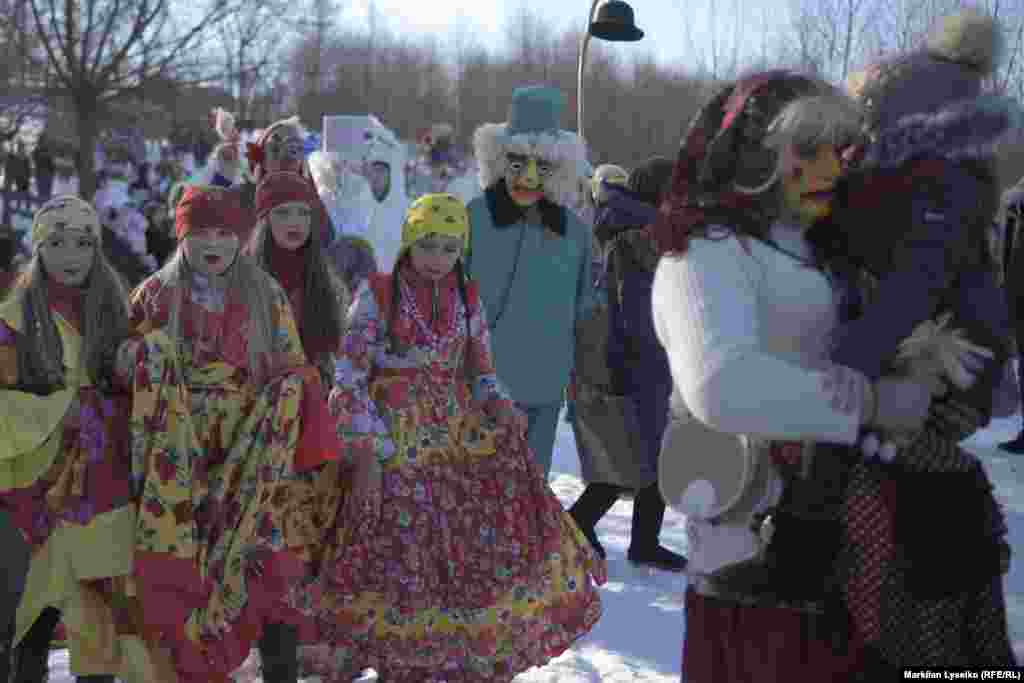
(637, 363)
(930, 251)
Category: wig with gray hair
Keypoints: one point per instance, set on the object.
(808, 122)
(828, 119)
(105, 324)
(245, 282)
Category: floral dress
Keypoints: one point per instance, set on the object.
(466, 568)
(64, 468)
(225, 526)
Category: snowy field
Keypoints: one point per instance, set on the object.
(639, 638)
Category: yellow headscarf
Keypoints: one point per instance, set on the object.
(66, 212)
(441, 214)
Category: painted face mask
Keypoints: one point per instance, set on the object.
(809, 180)
(290, 224)
(283, 150)
(66, 231)
(525, 177)
(211, 251)
(68, 256)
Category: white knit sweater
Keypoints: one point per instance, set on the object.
(747, 336)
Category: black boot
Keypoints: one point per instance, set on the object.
(595, 501)
(1017, 445)
(644, 548)
(7, 652)
(32, 656)
(279, 653)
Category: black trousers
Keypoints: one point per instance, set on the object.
(1019, 331)
(15, 559)
(279, 653)
(648, 512)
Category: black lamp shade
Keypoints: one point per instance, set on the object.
(615, 22)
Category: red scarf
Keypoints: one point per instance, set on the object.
(288, 267)
(66, 300)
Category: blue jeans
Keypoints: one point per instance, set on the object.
(543, 423)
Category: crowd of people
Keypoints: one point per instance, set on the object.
(271, 432)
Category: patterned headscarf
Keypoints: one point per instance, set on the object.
(66, 212)
(442, 214)
(723, 167)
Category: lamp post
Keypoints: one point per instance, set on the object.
(614, 22)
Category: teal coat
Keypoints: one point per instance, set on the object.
(532, 312)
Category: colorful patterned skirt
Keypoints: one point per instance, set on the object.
(71, 501)
(224, 521)
(465, 569)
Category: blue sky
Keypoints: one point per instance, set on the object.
(675, 29)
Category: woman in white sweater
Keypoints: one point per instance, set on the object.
(744, 304)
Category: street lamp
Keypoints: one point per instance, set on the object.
(614, 22)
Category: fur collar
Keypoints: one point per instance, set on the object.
(505, 212)
(968, 129)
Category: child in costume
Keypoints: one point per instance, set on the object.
(227, 415)
(64, 459)
(286, 208)
(459, 563)
(937, 298)
(914, 214)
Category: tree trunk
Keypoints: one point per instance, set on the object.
(86, 113)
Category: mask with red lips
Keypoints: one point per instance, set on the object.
(525, 177)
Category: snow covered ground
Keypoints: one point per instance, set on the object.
(639, 638)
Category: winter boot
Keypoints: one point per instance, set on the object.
(32, 656)
(7, 652)
(595, 501)
(644, 548)
(279, 653)
(1016, 446)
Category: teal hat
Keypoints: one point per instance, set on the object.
(535, 109)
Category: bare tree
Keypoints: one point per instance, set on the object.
(461, 44)
(22, 77)
(830, 36)
(715, 37)
(249, 48)
(99, 51)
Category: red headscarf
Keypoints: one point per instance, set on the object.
(283, 187)
(209, 207)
